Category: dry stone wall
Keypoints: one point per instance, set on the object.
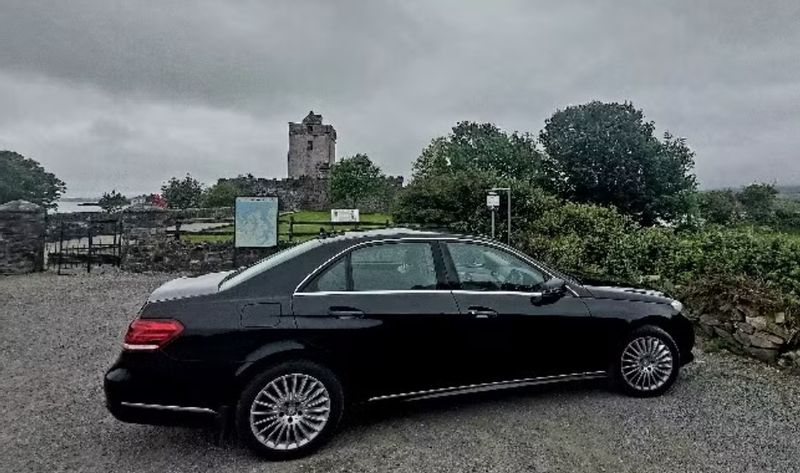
(769, 337)
(22, 236)
(174, 256)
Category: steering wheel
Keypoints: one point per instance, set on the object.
(515, 277)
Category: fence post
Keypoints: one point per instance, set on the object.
(118, 249)
(61, 246)
(89, 251)
(291, 227)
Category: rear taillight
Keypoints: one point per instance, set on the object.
(151, 334)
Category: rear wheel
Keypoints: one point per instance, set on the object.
(290, 410)
(648, 362)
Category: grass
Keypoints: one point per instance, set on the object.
(283, 226)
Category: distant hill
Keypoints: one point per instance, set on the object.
(789, 192)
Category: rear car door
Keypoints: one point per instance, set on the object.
(531, 338)
(383, 311)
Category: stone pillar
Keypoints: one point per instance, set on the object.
(22, 237)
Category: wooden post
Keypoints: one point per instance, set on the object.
(291, 228)
(119, 243)
(61, 246)
(89, 251)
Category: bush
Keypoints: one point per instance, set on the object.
(598, 243)
(771, 257)
(590, 241)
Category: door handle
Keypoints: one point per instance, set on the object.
(345, 313)
(482, 312)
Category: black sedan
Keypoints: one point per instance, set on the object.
(288, 343)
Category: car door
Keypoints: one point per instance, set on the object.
(533, 337)
(382, 310)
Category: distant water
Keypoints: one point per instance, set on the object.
(72, 206)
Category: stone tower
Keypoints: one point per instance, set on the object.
(312, 147)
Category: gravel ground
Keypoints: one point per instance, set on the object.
(59, 334)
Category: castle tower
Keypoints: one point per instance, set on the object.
(312, 147)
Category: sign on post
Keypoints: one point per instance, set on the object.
(256, 222)
(345, 215)
(492, 201)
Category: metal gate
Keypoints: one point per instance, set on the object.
(76, 246)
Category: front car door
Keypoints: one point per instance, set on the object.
(384, 310)
(542, 338)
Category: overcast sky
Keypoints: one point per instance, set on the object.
(124, 94)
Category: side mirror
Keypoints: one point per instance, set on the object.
(551, 290)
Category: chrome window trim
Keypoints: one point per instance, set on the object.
(374, 292)
(490, 243)
(420, 291)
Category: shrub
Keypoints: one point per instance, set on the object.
(590, 241)
(598, 243)
(771, 257)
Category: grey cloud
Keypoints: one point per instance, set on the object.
(149, 89)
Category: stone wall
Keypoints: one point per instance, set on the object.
(770, 338)
(308, 193)
(22, 237)
(169, 255)
(305, 193)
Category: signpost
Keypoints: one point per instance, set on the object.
(493, 201)
(493, 191)
(255, 223)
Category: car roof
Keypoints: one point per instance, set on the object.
(393, 234)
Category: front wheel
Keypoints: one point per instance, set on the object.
(290, 410)
(648, 362)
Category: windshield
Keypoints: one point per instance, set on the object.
(267, 263)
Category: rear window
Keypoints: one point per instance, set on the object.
(267, 263)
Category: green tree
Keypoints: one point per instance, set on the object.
(113, 201)
(719, 206)
(182, 193)
(457, 200)
(606, 153)
(355, 179)
(758, 201)
(26, 179)
(483, 148)
(222, 194)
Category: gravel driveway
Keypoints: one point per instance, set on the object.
(59, 333)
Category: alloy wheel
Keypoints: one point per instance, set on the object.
(647, 363)
(290, 411)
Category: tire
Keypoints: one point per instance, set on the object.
(290, 410)
(647, 362)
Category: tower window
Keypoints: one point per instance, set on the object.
(310, 145)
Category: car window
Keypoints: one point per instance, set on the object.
(243, 274)
(393, 266)
(334, 278)
(485, 268)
